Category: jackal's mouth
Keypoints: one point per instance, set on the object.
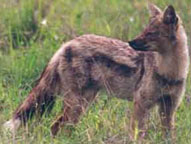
(139, 45)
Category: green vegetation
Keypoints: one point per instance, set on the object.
(32, 30)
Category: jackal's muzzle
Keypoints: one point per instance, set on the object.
(138, 44)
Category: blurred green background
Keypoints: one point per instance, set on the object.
(32, 30)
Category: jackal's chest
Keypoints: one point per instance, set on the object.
(167, 85)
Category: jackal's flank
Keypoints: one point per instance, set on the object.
(80, 68)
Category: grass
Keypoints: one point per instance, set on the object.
(31, 31)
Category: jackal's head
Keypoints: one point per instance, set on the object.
(161, 32)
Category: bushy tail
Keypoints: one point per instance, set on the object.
(40, 98)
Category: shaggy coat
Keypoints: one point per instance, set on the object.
(155, 74)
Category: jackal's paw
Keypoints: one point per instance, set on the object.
(12, 125)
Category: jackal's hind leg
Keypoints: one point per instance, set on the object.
(74, 107)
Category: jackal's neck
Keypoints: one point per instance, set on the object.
(174, 63)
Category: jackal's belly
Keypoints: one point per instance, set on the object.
(118, 80)
(122, 87)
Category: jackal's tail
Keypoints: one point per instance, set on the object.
(40, 98)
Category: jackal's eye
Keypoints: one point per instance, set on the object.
(152, 34)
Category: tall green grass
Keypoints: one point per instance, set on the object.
(32, 30)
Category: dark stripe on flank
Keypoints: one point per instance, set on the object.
(121, 69)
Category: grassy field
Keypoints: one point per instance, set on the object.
(32, 30)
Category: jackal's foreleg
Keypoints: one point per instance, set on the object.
(140, 114)
(167, 109)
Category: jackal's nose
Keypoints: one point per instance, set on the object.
(138, 44)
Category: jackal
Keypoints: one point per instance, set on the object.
(154, 73)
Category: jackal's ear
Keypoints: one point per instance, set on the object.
(154, 10)
(169, 16)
